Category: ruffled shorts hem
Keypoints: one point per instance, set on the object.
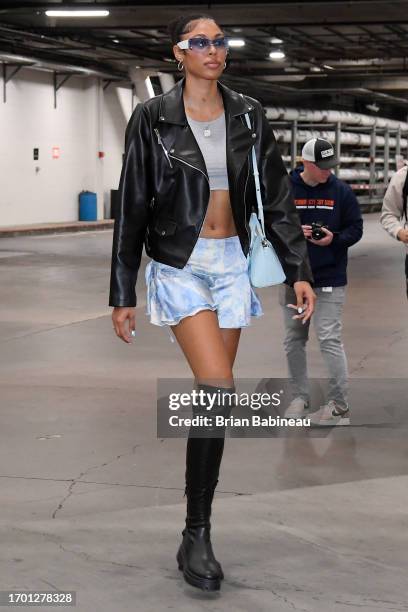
(161, 322)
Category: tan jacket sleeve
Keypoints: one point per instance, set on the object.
(391, 213)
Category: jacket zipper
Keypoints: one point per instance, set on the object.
(245, 208)
(191, 166)
(245, 188)
(159, 140)
(208, 181)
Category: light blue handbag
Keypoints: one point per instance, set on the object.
(264, 266)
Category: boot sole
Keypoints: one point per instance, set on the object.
(206, 584)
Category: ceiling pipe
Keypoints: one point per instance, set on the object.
(351, 138)
(346, 159)
(276, 113)
(357, 91)
(352, 174)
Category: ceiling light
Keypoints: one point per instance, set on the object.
(236, 42)
(277, 55)
(91, 13)
(276, 41)
(115, 40)
(328, 67)
(315, 69)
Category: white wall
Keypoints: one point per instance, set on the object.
(117, 108)
(86, 120)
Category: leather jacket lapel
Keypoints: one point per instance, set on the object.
(239, 138)
(180, 140)
(171, 108)
(239, 144)
(186, 149)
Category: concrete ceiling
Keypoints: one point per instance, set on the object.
(342, 54)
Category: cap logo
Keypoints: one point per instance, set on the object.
(327, 153)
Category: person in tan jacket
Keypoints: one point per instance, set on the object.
(394, 212)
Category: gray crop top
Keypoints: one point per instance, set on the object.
(210, 136)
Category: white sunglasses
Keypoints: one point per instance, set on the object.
(200, 43)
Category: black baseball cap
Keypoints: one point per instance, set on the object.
(320, 152)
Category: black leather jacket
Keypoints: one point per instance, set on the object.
(164, 189)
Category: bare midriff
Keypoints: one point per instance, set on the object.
(219, 222)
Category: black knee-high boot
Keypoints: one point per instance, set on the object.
(203, 458)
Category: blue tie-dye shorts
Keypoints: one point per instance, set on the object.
(214, 278)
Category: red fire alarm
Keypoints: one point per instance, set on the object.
(101, 154)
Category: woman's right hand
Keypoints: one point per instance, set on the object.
(124, 322)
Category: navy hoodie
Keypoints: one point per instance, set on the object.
(334, 204)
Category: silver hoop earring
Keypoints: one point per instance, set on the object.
(180, 65)
(225, 65)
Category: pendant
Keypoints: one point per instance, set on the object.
(207, 132)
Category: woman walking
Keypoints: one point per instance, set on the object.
(187, 192)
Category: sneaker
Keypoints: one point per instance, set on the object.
(330, 414)
(296, 408)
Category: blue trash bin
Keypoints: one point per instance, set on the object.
(87, 206)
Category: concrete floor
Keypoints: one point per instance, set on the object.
(92, 501)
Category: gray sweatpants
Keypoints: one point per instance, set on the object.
(328, 325)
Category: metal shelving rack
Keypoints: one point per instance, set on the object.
(368, 154)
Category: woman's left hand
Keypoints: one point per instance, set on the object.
(306, 299)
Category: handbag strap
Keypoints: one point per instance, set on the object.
(256, 177)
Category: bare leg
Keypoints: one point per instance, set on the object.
(231, 340)
(205, 349)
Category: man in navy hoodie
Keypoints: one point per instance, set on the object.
(321, 198)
